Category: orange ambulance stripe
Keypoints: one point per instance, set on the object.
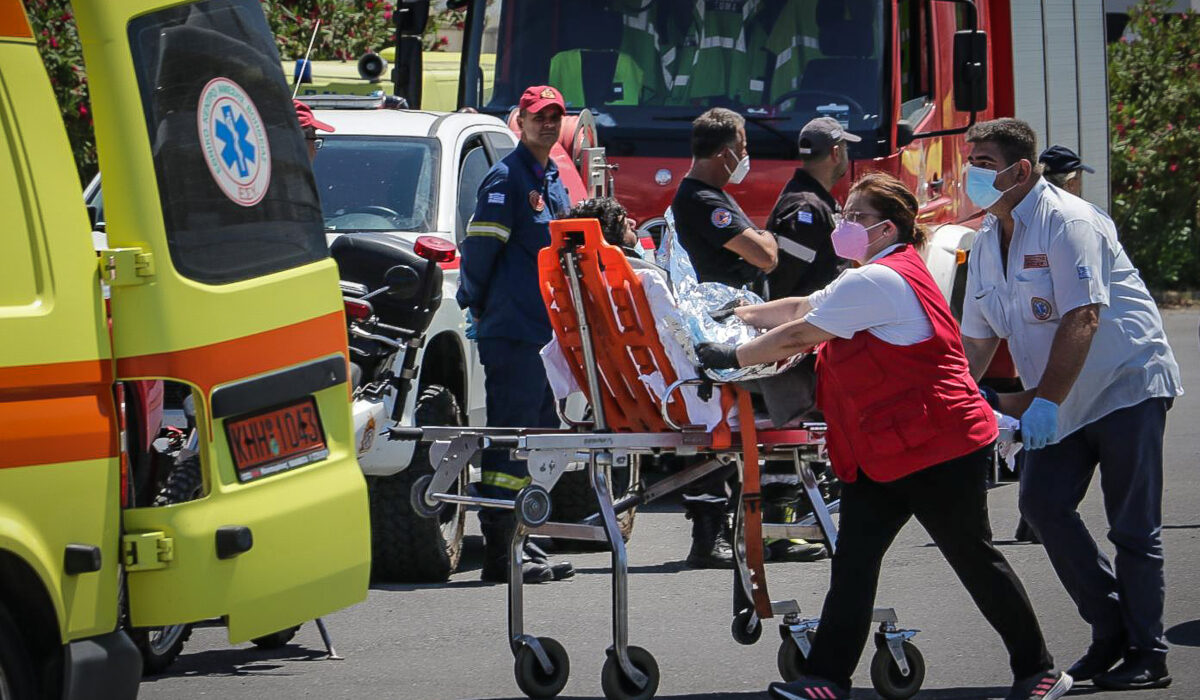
(211, 365)
(13, 22)
(56, 413)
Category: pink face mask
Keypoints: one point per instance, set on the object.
(851, 240)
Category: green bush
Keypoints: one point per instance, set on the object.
(349, 28)
(1154, 91)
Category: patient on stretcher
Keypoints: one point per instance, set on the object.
(682, 313)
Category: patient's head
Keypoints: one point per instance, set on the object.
(615, 224)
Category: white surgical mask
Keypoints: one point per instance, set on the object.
(981, 185)
(743, 168)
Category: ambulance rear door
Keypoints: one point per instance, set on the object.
(221, 280)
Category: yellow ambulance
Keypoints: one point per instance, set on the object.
(220, 281)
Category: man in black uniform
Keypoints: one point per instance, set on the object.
(724, 247)
(803, 214)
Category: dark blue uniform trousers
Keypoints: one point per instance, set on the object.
(518, 396)
(1125, 602)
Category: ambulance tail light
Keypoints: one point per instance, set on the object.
(358, 310)
(435, 249)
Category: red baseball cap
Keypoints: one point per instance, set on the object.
(305, 114)
(539, 97)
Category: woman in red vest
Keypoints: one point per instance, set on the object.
(908, 434)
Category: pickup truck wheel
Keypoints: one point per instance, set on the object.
(276, 639)
(405, 546)
(573, 500)
(16, 683)
(160, 646)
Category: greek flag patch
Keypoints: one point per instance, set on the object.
(495, 198)
(804, 217)
(1084, 272)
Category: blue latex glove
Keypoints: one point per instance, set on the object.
(470, 333)
(1039, 424)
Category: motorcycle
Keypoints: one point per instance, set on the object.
(392, 289)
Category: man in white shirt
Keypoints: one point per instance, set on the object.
(1048, 274)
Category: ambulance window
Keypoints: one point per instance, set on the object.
(501, 145)
(916, 68)
(474, 167)
(235, 186)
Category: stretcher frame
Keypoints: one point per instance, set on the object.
(601, 446)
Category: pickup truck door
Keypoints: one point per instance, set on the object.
(221, 280)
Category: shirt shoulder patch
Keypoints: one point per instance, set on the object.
(804, 217)
(722, 217)
(1036, 261)
(1084, 272)
(495, 198)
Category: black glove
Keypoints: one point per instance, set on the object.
(722, 314)
(717, 355)
(989, 394)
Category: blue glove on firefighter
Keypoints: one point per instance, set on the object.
(717, 355)
(470, 332)
(1039, 424)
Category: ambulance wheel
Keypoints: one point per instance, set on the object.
(793, 664)
(617, 686)
(573, 500)
(742, 632)
(532, 506)
(276, 639)
(16, 681)
(405, 546)
(535, 682)
(886, 676)
(420, 506)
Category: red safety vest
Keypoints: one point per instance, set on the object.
(893, 410)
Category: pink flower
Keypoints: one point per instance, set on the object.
(1174, 167)
(1153, 19)
(1170, 126)
(53, 43)
(387, 14)
(83, 110)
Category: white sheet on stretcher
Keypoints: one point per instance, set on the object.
(664, 310)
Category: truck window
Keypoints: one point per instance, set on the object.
(648, 67)
(237, 195)
(385, 183)
(916, 50)
(474, 167)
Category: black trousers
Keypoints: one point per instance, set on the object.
(950, 502)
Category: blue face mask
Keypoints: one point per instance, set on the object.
(981, 188)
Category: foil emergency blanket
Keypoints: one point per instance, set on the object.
(691, 324)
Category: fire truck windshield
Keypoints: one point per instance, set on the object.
(648, 67)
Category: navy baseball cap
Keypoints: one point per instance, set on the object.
(1060, 160)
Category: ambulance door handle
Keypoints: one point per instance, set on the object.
(233, 540)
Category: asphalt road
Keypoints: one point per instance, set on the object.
(449, 641)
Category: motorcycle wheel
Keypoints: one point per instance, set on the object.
(405, 546)
(160, 646)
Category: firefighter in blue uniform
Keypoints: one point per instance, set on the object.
(498, 286)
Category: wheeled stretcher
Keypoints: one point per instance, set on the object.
(601, 319)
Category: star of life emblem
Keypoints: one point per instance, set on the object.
(234, 141)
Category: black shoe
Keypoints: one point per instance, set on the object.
(1046, 685)
(1136, 672)
(793, 550)
(497, 539)
(710, 544)
(1100, 656)
(1025, 533)
(559, 570)
(808, 688)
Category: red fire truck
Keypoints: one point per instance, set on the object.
(908, 76)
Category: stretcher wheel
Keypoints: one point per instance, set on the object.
(617, 687)
(532, 506)
(535, 682)
(792, 664)
(417, 498)
(886, 676)
(742, 632)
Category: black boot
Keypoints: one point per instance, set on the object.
(497, 540)
(710, 539)
(1138, 671)
(780, 507)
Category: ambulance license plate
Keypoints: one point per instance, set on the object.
(276, 440)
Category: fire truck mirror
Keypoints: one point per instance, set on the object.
(970, 71)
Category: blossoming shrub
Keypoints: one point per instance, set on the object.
(1154, 93)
